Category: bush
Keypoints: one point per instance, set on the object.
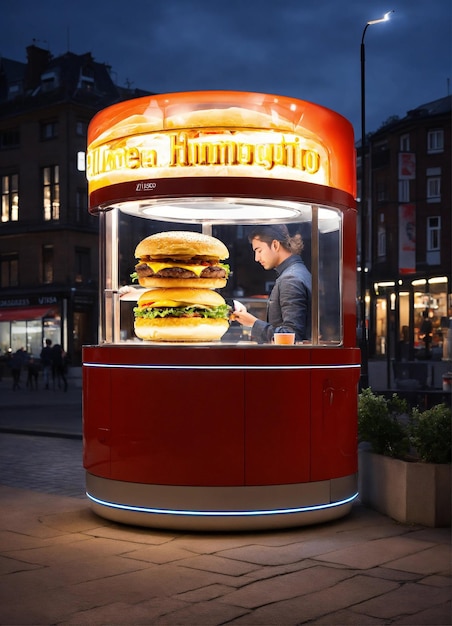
(380, 425)
(431, 434)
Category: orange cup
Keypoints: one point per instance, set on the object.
(284, 339)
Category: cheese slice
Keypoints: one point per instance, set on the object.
(162, 304)
(156, 266)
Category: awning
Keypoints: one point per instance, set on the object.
(23, 314)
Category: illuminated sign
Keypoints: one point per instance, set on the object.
(206, 152)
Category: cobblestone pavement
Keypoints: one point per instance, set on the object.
(45, 464)
(61, 564)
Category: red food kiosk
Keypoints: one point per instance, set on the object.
(222, 435)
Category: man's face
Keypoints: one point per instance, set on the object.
(265, 254)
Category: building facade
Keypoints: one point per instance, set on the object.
(408, 283)
(48, 240)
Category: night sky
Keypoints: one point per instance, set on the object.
(307, 50)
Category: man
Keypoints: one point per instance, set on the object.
(289, 304)
(46, 357)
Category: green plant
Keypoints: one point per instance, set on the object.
(380, 424)
(431, 434)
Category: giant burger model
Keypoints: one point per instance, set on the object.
(181, 314)
(183, 268)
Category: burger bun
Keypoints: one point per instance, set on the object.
(181, 244)
(180, 329)
(206, 283)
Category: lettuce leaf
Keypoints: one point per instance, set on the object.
(218, 312)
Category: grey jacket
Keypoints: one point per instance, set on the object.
(289, 304)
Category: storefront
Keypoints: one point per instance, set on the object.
(68, 318)
(400, 313)
(27, 322)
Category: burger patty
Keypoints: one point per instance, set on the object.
(211, 271)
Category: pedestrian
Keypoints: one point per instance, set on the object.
(17, 363)
(33, 373)
(46, 357)
(425, 333)
(59, 362)
(289, 303)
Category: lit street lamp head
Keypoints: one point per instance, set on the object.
(385, 18)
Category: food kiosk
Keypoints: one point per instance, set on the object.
(222, 435)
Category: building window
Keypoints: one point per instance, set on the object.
(49, 130)
(435, 141)
(9, 270)
(404, 143)
(404, 190)
(381, 242)
(434, 189)
(381, 192)
(47, 264)
(51, 192)
(9, 138)
(10, 198)
(49, 81)
(82, 264)
(433, 233)
(81, 128)
(81, 205)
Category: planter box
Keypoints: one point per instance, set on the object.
(411, 493)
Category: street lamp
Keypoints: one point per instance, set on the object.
(364, 217)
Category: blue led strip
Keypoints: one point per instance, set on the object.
(218, 367)
(142, 509)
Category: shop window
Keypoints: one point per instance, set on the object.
(10, 198)
(47, 264)
(9, 270)
(435, 141)
(51, 192)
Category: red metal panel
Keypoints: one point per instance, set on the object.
(96, 421)
(178, 427)
(334, 415)
(277, 417)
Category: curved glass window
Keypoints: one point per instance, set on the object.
(231, 220)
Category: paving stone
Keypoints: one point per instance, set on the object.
(287, 586)
(121, 613)
(218, 564)
(432, 560)
(374, 553)
(409, 599)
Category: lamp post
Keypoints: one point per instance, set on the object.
(364, 340)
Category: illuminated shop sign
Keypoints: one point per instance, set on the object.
(204, 152)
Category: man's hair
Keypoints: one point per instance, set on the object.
(278, 232)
